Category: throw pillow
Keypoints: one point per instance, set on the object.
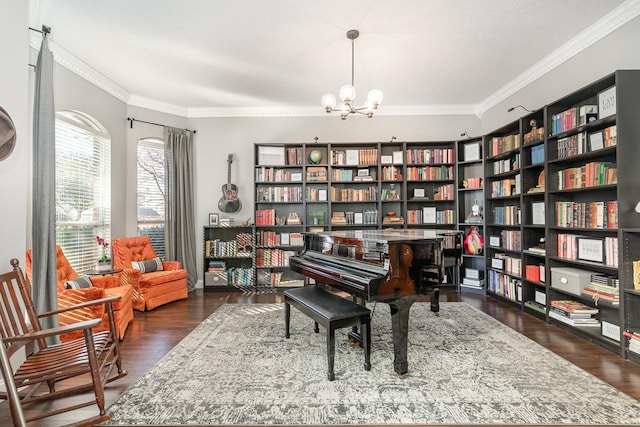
(80, 282)
(148, 265)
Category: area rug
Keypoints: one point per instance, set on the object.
(236, 368)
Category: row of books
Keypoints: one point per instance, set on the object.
(572, 118)
(356, 157)
(508, 264)
(429, 215)
(347, 175)
(502, 284)
(511, 240)
(295, 156)
(606, 253)
(535, 272)
(220, 248)
(430, 173)
(597, 215)
(504, 144)
(273, 257)
(240, 276)
(506, 165)
(272, 238)
(506, 215)
(506, 187)
(580, 143)
(592, 174)
(430, 156)
(392, 173)
(279, 194)
(369, 216)
(445, 192)
(266, 174)
(474, 182)
(369, 194)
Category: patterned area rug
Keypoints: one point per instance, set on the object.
(464, 368)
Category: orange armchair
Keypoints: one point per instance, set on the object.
(151, 288)
(101, 287)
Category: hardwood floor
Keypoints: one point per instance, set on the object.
(152, 334)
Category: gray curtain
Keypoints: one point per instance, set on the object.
(180, 242)
(45, 295)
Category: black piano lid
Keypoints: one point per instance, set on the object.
(389, 235)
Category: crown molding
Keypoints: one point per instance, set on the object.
(77, 66)
(155, 105)
(627, 11)
(391, 110)
(624, 13)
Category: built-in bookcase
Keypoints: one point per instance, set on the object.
(503, 190)
(592, 186)
(471, 213)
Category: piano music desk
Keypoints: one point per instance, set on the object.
(332, 312)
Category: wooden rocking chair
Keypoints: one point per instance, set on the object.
(52, 371)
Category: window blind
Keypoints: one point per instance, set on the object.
(83, 188)
(152, 192)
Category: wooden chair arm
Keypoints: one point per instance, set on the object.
(105, 300)
(32, 336)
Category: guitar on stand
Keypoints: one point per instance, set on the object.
(229, 201)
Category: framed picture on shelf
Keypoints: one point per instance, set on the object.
(607, 102)
(590, 249)
(214, 219)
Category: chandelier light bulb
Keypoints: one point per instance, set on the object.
(328, 102)
(347, 93)
(375, 98)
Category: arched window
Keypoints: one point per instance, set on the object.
(152, 192)
(83, 187)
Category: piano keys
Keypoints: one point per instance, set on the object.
(391, 266)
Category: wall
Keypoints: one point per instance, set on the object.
(616, 51)
(14, 98)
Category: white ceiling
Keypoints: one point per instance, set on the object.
(201, 58)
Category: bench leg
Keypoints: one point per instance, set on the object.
(366, 343)
(331, 352)
(287, 319)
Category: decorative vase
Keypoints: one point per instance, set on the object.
(103, 265)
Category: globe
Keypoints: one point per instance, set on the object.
(315, 156)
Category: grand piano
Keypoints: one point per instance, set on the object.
(391, 266)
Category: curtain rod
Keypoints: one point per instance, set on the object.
(131, 120)
(45, 30)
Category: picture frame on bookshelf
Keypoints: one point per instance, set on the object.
(607, 102)
(268, 155)
(472, 151)
(590, 249)
(214, 219)
(596, 141)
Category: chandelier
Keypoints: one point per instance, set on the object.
(348, 93)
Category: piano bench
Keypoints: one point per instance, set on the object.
(332, 312)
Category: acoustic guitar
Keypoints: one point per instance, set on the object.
(229, 201)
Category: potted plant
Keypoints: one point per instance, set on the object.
(104, 262)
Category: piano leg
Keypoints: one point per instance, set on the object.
(435, 301)
(400, 327)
